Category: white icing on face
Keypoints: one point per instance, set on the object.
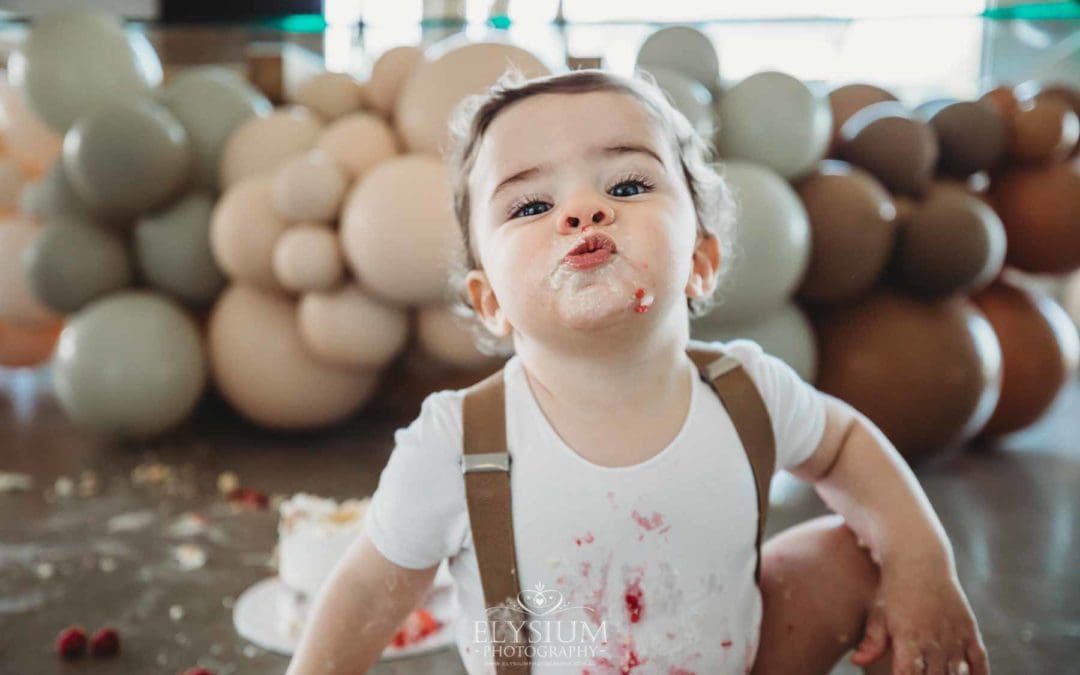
(585, 296)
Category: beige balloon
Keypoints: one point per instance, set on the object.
(351, 329)
(33, 144)
(310, 186)
(388, 74)
(244, 228)
(307, 257)
(449, 338)
(262, 143)
(434, 88)
(400, 246)
(17, 303)
(330, 95)
(12, 182)
(358, 142)
(261, 367)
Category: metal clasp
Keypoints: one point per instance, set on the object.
(485, 461)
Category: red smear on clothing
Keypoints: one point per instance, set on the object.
(680, 671)
(595, 603)
(726, 643)
(650, 523)
(631, 662)
(586, 567)
(588, 539)
(635, 601)
(418, 625)
(611, 498)
(664, 530)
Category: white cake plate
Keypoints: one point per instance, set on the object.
(255, 616)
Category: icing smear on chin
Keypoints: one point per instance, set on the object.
(593, 289)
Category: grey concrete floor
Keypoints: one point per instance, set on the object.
(1012, 511)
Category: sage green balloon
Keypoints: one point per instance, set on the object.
(130, 365)
(211, 102)
(172, 250)
(74, 61)
(72, 263)
(127, 158)
(52, 197)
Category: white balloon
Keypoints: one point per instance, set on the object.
(786, 334)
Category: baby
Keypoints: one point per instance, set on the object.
(594, 228)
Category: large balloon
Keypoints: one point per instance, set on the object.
(262, 368)
(927, 372)
(400, 247)
(899, 149)
(435, 87)
(972, 135)
(73, 62)
(18, 304)
(776, 120)
(261, 144)
(131, 364)
(388, 75)
(127, 158)
(450, 340)
(73, 263)
(689, 97)
(1040, 207)
(358, 142)
(172, 248)
(848, 99)
(351, 329)
(853, 229)
(685, 50)
(211, 102)
(952, 242)
(786, 334)
(1040, 349)
(772, 244)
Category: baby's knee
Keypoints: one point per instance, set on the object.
(825, 549)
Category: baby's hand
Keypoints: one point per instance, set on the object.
(928, 622)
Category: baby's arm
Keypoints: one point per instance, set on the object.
(921, 608)
(358, 611)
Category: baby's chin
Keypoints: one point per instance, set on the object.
(601, 299)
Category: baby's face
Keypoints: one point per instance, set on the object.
(555, 170)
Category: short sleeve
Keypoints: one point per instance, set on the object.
(796, 408)
(417, 516)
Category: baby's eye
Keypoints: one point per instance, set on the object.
(526, 209)
(640, 183)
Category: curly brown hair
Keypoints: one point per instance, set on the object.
(712, 199)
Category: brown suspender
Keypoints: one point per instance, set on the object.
(486, 466)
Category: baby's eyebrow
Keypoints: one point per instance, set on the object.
(614, 150)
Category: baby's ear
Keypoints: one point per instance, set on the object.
(485, 304)
(705, 266)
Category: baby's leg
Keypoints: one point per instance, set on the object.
(817, 586)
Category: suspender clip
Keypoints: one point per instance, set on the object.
(485, 461)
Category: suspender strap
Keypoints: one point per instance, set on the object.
(486, 469)
(748, 413)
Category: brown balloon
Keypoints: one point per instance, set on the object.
(853, 229)
(849, 99)
(1067, 94)
(952, 243)
(1004, 100)
(888, 141)
(1039, 348)
(1044, 129)
(23, 346)
(971, 135)
(1040, 207)
(926, 372)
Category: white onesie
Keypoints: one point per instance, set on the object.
(646, 568)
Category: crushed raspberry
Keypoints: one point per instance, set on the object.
(639, 293)
(416, 627)
(106, 642)
(71, 642)
(635, 602)
(248, 497)
(631, 662)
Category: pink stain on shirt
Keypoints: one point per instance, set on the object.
(587, 539)
(635, 600)
(651, 523)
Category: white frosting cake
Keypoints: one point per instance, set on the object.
(313, 534)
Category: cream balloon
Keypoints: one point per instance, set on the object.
(17, 303)
(130, 365)
(262, 143)
(244, 228)
(33, 144)
(12, 182)
(449, 338)
(309, 187)
(330, 95)
(307, 257)
(776, 120)
(73, 62)
(358, 142)
(435, 87)
(349, 328)
(685, 50)
(211, 102)
(401, 247)
(786, 333)
(388, 74)
(262, 368)
(772, 243)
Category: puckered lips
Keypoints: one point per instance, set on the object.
(591, 250)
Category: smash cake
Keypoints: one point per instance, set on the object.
(313, 535)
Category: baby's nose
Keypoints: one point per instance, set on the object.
(598, 215)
